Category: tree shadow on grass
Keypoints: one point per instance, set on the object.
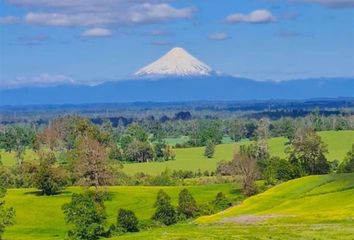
(236, 191)
(39, 193)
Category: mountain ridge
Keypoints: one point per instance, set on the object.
(208, 88)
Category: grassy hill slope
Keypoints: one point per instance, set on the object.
(314, 207)
(314, 199)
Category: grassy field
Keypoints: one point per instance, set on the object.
(41, 218)
(339, 143)
(315, 207)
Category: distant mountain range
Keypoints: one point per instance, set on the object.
(178, 76)
(212, 88)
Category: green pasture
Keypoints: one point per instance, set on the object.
(314, 207)
(41, 217)
(339, 143)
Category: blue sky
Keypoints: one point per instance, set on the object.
(50, 41)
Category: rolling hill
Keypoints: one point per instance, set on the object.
(313, 207)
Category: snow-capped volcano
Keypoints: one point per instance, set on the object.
(177, 62)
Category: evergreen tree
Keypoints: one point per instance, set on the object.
(209, 149)
(187, 206)
(165, 212)
(127, 220)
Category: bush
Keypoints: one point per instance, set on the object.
(49, 178)
(165, 212)
(221, 202)
(187, 206)
(127, 220)
(164, 179)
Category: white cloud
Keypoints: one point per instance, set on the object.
(220, 36)
(257, 16)
(99, 13)
(329, 3)
(43, 79)
(97, 32)
(8, 20)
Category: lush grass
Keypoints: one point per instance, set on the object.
(315, 207)
(41, 217)
(318, 199)
(339, 143)
(247, 232)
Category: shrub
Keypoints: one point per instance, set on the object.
(187, 206)
(127, 220)
(164, 179)
(221, 202)
(49, 178)
(165, 212)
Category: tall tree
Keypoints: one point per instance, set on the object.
(87, 213)
(209, 149)
(247, 167)
(308, 150)
(91, 166)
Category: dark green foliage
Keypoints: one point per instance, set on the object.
(127, 220)
(7, 215)
(115, 153)
(204, 131)
(138, 151)
(347, 165)
(221, 202)
(159, 150)
(279, 169)
(187, 206)
(49, 178)
(209, 149)
(87, 213)
(165, 212)
(164, 179)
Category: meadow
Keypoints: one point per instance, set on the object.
(41, 218)
(313, 207)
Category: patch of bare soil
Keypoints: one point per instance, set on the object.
(250, 219)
